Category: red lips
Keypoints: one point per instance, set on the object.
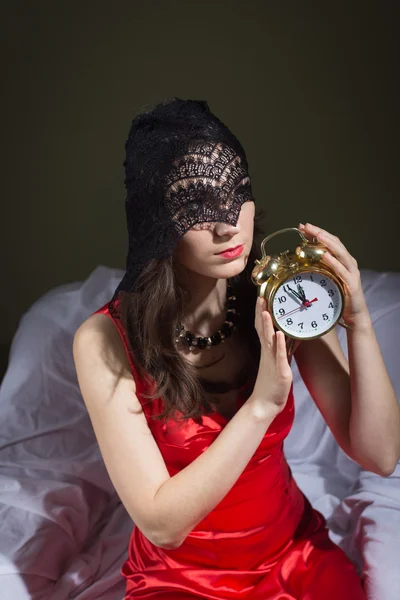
(231, 249)
(233, 253)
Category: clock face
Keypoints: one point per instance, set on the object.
(307, 304)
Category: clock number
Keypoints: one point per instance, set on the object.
(297, 279)
(330, 305)
(323, 282)
(281, 311)
(325, 317)
(289, 321)
(300, 324)
(311, 278)
(314, 324)
(331, 292)
(282, 299)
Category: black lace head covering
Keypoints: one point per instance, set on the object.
(183, 167)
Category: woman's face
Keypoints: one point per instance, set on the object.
(198, 249)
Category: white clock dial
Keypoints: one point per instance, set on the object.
(302, 320)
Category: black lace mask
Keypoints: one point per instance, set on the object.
(180, 184)
(208, 185)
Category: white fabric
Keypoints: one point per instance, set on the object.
(362, 509)
(63, 531)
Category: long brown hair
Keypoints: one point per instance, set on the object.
(150, 316)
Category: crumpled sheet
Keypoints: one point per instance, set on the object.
(63, 531)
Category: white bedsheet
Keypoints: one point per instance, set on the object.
(63, 531)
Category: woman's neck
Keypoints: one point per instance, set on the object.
(205, 311)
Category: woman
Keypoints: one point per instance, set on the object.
(189, 387)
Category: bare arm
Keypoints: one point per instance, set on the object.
(375, 412)
(186, 498)
(164, 508)
(356, 397)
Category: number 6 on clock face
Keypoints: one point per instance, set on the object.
(307, 305)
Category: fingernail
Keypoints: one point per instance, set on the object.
(301, 224)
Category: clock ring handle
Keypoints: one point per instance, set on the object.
(269, 237)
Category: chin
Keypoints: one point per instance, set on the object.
(233, 268)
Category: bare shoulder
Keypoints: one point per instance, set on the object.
(97, 343)
(131, 455)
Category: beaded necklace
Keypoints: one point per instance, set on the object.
(192, 342)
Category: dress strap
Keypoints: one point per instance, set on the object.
(111, 309)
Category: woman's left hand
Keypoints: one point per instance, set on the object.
(340, 260)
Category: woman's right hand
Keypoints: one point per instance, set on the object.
(274, 378)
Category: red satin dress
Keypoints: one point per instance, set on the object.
(263, 541)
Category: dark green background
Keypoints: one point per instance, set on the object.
(310, 89)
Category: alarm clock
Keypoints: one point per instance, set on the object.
(304, 296)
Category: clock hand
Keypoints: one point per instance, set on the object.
(302, 293)
(293, 292)
(299, 308)
(307, 303)
(303, 297)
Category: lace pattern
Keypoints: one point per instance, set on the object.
(183, 168)
(209, 184)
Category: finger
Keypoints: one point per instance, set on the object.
(337, 266)
(257, 311)
(268, 329)
(314, 232)
(323, 234)
(258, 316)
(281, 354)
(305, 232)
(337, 251)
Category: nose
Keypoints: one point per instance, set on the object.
(222, 229)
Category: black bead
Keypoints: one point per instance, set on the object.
(234, 317)
(226, 330)
(202, 343)
(189, 337)
(216, 338)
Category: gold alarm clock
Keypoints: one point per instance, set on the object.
(305, 297)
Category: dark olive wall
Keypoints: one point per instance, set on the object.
(309, 89)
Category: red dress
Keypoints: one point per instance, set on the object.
(263, 541)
